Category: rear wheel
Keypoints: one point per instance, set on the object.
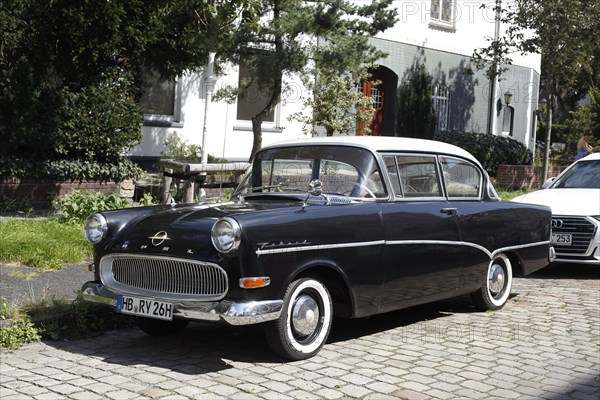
(305, 321)
(158, 327)
(494, 293)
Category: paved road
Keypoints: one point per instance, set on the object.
(544, 344)
(21, 285)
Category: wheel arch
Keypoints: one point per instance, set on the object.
(516, 263)
(335, 282)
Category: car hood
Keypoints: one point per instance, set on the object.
(182, 231)
(580, 202)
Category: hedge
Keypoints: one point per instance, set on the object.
(489, 150)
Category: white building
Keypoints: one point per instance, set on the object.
(441, 34)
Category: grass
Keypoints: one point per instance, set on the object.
(509, 194)
(44, 243)
(56, 320)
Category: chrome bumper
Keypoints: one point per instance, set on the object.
(232, 313)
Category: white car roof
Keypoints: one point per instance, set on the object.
(589, 157)
(383, 144)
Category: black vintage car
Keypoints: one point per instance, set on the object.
(317, 228)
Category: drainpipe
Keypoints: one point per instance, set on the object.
(494, 82)
(210, 86)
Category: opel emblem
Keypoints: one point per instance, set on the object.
(159, 238)
(557, 223)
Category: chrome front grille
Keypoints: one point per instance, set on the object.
(582, 232)
(164, 277)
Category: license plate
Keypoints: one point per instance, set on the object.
(561, 239)
(145, 307)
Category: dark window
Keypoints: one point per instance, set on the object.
(252, 100)
(158, 97)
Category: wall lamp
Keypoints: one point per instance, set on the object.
(508, 97)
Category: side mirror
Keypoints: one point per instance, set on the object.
(548, 182)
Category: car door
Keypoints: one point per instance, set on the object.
(423, 244)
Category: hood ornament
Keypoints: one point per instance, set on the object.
(159, 238)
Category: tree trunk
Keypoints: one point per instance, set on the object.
(257, 133)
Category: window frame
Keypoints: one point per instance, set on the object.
(395, 196)
(479, 195)
(439, 22)
(402, 196)
(246, 124)
(163, 120)
(441, 105)
(511, 122)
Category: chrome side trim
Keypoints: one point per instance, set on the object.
(490, 254)
(264, 251)
(522, 246)
(232, 313)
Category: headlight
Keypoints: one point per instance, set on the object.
(95, 228)
(226, 234)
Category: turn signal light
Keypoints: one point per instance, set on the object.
(255, 283)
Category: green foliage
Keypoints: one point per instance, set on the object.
(181, 150)
(65, 319)
(341, 26)
(415, 113)
(100, 121)
(69, 170)
(489, 150)
(77, 205)
(43, 243)
(509, 194)
(583, 117)
(15, 204)
(16, 328)
(336, 106)
(148, 200)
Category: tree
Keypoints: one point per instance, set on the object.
(58, 60)
(284, 42)
(415, 113)
(332, 78)
(564, 32)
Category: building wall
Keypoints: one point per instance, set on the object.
(226, 136)
(444, 49)
(469, 89)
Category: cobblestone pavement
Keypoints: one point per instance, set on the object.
(544, 344)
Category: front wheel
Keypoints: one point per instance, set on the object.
(494, 293)
(305, 321)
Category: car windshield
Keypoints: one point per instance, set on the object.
(342, 170)
(582, 175)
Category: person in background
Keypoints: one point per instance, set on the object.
(583, 147)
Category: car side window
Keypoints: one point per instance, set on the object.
(462, 179)
(418, 176)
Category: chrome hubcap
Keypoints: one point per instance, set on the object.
(496, 279)
(305, 315)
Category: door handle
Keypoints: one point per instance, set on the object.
(449, 210)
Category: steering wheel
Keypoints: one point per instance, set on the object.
(354, 184)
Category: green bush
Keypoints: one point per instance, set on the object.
(16, 328)
(415, 114)
(77, 205)
(99, 121)
(489, 150)
(69, 170)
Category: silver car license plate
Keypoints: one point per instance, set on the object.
(561, 239)
(145, 307)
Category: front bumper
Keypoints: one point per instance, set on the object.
(230, 312)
